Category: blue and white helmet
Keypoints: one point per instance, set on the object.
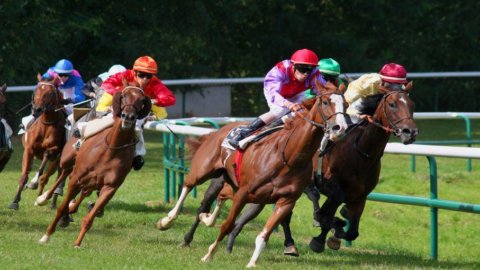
(63, 66)
(116, 69)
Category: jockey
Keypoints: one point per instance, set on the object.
(330, 70)
(391, 74)
(284, 89)
(70, 84)
(143, 72)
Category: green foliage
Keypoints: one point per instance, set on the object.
(216, 39)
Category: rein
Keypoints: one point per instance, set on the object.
(121, 146)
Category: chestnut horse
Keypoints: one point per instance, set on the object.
(45, 138)
(5, 150)
(104, 160)
(275, 170)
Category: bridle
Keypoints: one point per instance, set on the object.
(392, 125)
(49, 104)
(322, 114)
(123, 105)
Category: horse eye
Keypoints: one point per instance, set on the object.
(391, 104)
(325, 103)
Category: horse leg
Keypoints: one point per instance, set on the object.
(166, 222)
(106, 194)
(239, 201)
(212, 192)
(62, 211)
(283, 208)
(26, 167)
(51, 168)
(355, 212)
(314, 196)
(289, 243)
(43, 199)
(73, 207)
(250, 213)
(326, 213)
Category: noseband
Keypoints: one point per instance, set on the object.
(46, 105)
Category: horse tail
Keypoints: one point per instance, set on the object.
(193, 143)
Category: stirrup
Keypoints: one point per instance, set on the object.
(77, 144)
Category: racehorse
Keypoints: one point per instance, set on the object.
(351, 168)
(45, 138)
(104, 160)
(274, 171)
(5, 151)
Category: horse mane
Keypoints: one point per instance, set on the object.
(369, 104)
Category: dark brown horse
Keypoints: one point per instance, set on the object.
(45, 138)
(104, 160)
(276, 170)
(351, 169)
(5, 150)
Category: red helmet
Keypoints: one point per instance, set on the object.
(304, 56)
(145, 64)
(393, 73)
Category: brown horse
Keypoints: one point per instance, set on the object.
(276, 170)
(45, 138)
(351, 169)
(104, 160)
(5, 150)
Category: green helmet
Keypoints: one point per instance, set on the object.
(329, 66)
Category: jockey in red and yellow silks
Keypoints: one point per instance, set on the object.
(161, 96)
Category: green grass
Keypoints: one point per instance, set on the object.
(391, 236)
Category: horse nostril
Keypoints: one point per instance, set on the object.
(336, 128)
(123, 115)
(406, 131)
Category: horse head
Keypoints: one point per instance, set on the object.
(3, 100)
(331, 107)
(46, 96)
(130, 104)
(396, 112)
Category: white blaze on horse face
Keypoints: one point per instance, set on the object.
(402, 99)
(340, 117)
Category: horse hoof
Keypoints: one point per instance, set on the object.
(317, 246)
(76, 246)
(44, 239)
(291, 251)
(334, 243)
(41, 200)
(316, 223)
(251, 265)
(206, 218)
(164, 224)
(32, 186)
(13, 206)
(206, 258)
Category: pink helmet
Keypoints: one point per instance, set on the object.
(393, 73)
(304, 56)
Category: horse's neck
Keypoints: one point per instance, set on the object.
(304, 138)
(119, 136)
(374, 139)
(53, 117)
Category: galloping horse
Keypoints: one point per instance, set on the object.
(104, 160)
(45, 138)
(273, 171)
(5, 151)
(351, 167)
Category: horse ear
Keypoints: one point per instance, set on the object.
(124, 82)
(4, 88)
(342, 88)
(382, 89)
(409, 86)
(147, 106)
(39, 77)
(116, 104)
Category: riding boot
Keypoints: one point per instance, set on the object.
(140, 150)
(243, 132)
(277, 123)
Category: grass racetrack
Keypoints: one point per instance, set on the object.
(391, 236)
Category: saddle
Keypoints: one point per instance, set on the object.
(255, 137)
